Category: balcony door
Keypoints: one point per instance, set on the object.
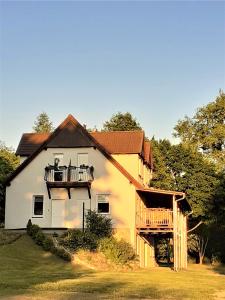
(58, 213)
(82, 160)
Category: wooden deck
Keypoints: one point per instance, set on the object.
(154, 220)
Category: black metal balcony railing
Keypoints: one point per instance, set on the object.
(68, 174)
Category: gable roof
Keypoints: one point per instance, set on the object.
(115, 142)
(68, 128)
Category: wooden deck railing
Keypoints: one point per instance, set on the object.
(154, 218)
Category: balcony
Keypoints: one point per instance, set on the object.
(154, 220)
(68, 177)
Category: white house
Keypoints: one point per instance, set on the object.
(71, 170)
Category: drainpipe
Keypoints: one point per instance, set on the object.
(182, 198)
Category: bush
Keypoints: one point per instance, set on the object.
(89, 241)
(61, 252)
(48, 244)
(119, 252)
(29, 225)
(76, 239)
(98, 225)
(34, 230)
(39, 238)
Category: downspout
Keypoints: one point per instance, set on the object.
(182, 198)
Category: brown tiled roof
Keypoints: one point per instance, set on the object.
(30, 142)
(148, 154)
(115, 142)
(121, 142)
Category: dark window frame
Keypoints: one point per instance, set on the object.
(103, 201)
(34, 209)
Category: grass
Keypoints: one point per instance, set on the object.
(27, 272)
(8, 237)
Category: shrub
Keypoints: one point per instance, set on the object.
(34, 230)
(39, 238)
(48, 244)
(76, 239)
(100, 226)
(119, 252)
(29, 225)
(89, 241)
(61, 252)
(72, 239)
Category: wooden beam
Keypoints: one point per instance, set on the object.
(89, 192)
(49, 192)
(69, 194)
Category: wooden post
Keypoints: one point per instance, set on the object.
(83, 216)
(142, 253)
(175, 262)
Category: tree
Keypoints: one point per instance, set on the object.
(121, 122)
(181, 168)
(43, 123)
(8, 163)
(206, 130)
(197, 244)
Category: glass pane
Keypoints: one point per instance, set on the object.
(38, 206)
(58, 176)
(103, 207)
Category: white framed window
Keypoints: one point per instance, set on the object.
(38, 206)
(82, 159)
(103, 206)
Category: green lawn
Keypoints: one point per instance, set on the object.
(27, 272)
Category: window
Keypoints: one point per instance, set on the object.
(58, 161)
(38, 206)
(58, 175)
(103, 204)
(82, 159)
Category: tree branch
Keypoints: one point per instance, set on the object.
(196, 226)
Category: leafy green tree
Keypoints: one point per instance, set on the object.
(181, 168)
(43, 124)
(162, 177)
(121, 122)
(8, 163)
(206, 130)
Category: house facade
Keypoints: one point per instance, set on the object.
(66, 173)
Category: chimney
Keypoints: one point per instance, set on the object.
(85, 126)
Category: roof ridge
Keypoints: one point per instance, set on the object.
(130, 131)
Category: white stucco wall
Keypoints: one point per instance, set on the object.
(135, 166)
(108, 179)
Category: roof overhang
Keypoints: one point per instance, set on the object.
(179, 196)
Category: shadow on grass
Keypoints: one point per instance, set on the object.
(25, 265)
(220, 269)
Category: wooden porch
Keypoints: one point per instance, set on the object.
(154, 220)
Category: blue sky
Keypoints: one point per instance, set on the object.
(157, 60)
